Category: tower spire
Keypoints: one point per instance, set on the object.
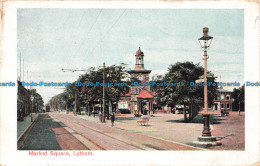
(139, 56)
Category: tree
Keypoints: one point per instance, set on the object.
(113, 74)
(88, 95)
(186, 94)
(239, 98)
(37, 101)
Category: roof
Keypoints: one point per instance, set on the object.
(144, 94)
(139, 52)
(223, 90)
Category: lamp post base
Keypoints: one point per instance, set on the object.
(206, 139)
(206, 128)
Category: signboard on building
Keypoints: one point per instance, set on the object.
(122, 105)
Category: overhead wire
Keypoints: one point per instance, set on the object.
(88, 32)
(102, 39)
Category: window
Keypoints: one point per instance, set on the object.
(222, 105)
(227, 105)
(222, 96)
(228, 97)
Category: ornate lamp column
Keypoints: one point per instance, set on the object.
(206, 139)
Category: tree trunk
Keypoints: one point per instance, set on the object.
(116, 107)
(191, 110)
(190, 113)
(75, 104)
(89, 109)
(185, 115)
(93, 108)
(109, 109)
(79, 110)
(239, 108)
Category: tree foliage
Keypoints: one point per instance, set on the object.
(87, 95)
(239, 98)
(186, 95)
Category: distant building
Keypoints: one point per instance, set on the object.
(23, 102)
(223, 100)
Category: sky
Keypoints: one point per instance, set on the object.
(49, 40)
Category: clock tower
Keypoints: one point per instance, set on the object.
(143, 75)
(139, 71)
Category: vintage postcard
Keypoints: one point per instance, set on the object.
(129, 83)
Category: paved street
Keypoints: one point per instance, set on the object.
(56, 131)
(228, 129)
(110, 138)
(233, 128)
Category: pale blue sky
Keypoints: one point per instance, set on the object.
(52, 39)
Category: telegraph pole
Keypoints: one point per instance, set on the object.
(20, 67)
(103, 113)
(23, 69)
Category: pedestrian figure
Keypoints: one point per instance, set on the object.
(112, 117)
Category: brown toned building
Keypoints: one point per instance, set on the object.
(224, 100)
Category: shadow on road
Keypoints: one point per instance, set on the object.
(125, 118)
(42, 136)
(214, 119)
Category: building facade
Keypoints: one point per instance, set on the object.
(223, 100)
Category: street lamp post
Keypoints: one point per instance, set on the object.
(205, 42)
(206, 139)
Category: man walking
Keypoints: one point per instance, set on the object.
(112, 117)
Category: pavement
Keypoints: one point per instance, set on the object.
(22, 126)
(41, 136)
(231, 132)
